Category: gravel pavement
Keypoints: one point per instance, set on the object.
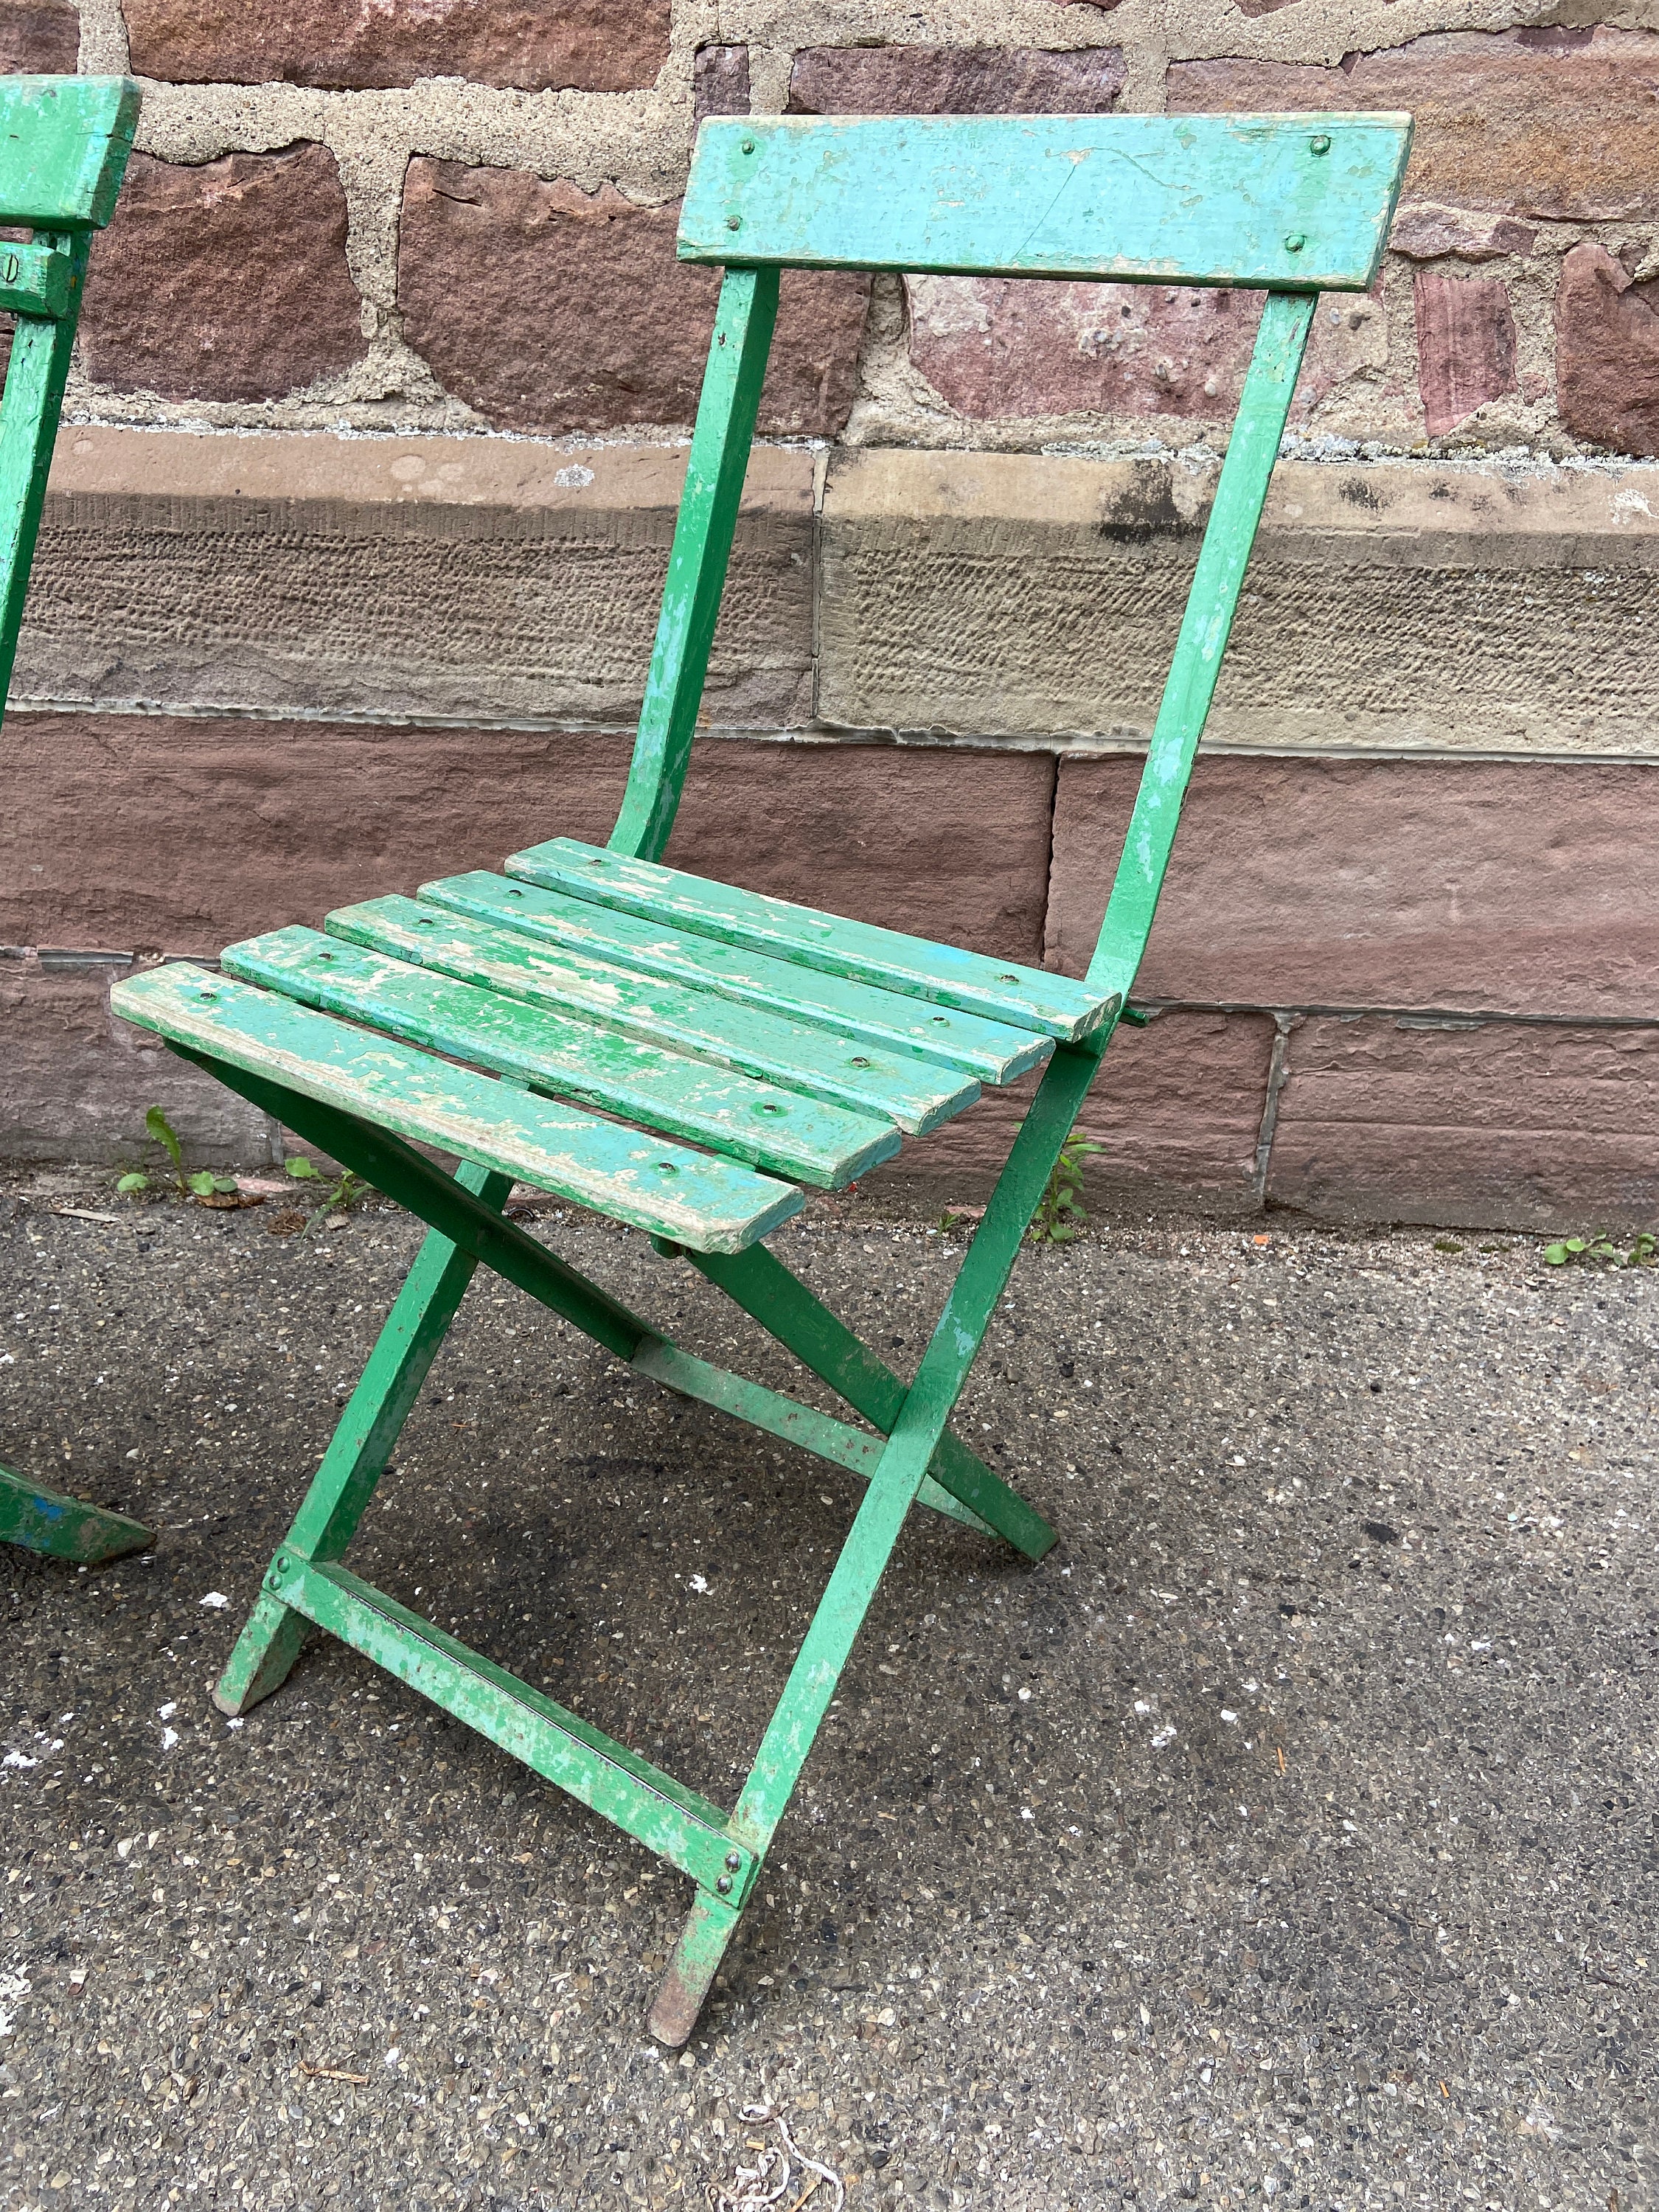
(1288, 1834)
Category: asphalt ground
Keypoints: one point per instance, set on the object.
(1288, 1833)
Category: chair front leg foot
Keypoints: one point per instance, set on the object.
(697, 1958)
(267, 1647)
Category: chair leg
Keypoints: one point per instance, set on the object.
(356, 1456)
(61, 1528)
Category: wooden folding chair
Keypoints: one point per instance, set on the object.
(777, 1047)
(63, 147)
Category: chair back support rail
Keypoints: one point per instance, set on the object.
(1294, 204)
(64, 148)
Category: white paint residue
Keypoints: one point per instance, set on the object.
(13, 1986)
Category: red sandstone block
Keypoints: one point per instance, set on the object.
(954, 80)
(591, 45)
(1477, 884)
(225, 282)
(549, 309)
(179, 835)
(1607, 353)
(39, 38)
(1521, 1126)
(1465, 346)
(79, 1081)
(719, 81)
(1177, 1107)
(995, 346)
(1562, 125)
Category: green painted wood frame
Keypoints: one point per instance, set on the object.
(63, 148)
(1295, 203)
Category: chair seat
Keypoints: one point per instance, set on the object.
(797, 1048)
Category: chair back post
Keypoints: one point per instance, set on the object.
(64, 148)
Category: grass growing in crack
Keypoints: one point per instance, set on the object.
(1060, 1212)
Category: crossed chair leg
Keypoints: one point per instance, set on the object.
(63, 1527)
(914, 1457)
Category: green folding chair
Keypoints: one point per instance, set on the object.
(63, 147)
(748, 1047)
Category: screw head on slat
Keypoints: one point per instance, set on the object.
(1321, 144)
(1295, 242)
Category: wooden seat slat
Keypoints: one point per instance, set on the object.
(697, 1023)
(991, 1052)
(760, 1123)
(941, 975)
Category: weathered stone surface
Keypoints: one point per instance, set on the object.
(954, 80)
(1177, 1108)
(1485, 885)
(1515, 1126)
(1422, 231)
(483, 578)
(590, 46)
(39, 38)
(999, 346)
(180, 834)
(550, 309)
(79, 1082)
(1403, 606)
(1560, 124)
(225, 282)
(1607, 353)
(719, 81)
(1465, 346)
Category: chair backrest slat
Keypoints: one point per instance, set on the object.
(1297, 202)
(63, 147)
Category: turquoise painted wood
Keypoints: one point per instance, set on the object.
(972, 982)
(761, 1123)
(991, 1052)
(37, 279)
(653, 1185)
(645, 973)
(767, 1047)
(42, 1520)
(1299, 201)
(63, 147)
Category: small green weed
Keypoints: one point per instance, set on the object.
(204, 1183)
(1060, 1212)
(1599, 1250)
(340, 1198)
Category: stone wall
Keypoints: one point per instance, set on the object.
(369, 471)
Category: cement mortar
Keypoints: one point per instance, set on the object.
(641, 142)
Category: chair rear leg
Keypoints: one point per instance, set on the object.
(356, 1456)
(46, 1521)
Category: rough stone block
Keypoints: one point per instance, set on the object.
(550, 309)
(1539, 1126)
(954, 80)
(1404, 606)
(588, 45)
(1607, 353)
(225, 282)
(1422, 231)
(995, 346)
(1177, 1107)
(79, 1081)
(484, 578)
(719, 81)
(1465, 346)
(1559, 125)
(1486, 886)
(39, 38)
(178, 835)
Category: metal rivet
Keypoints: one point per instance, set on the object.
(734, 222)
(734, 1860)
(724, 1885)
(748, 145)
(1295, 242)
(1319, 145)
